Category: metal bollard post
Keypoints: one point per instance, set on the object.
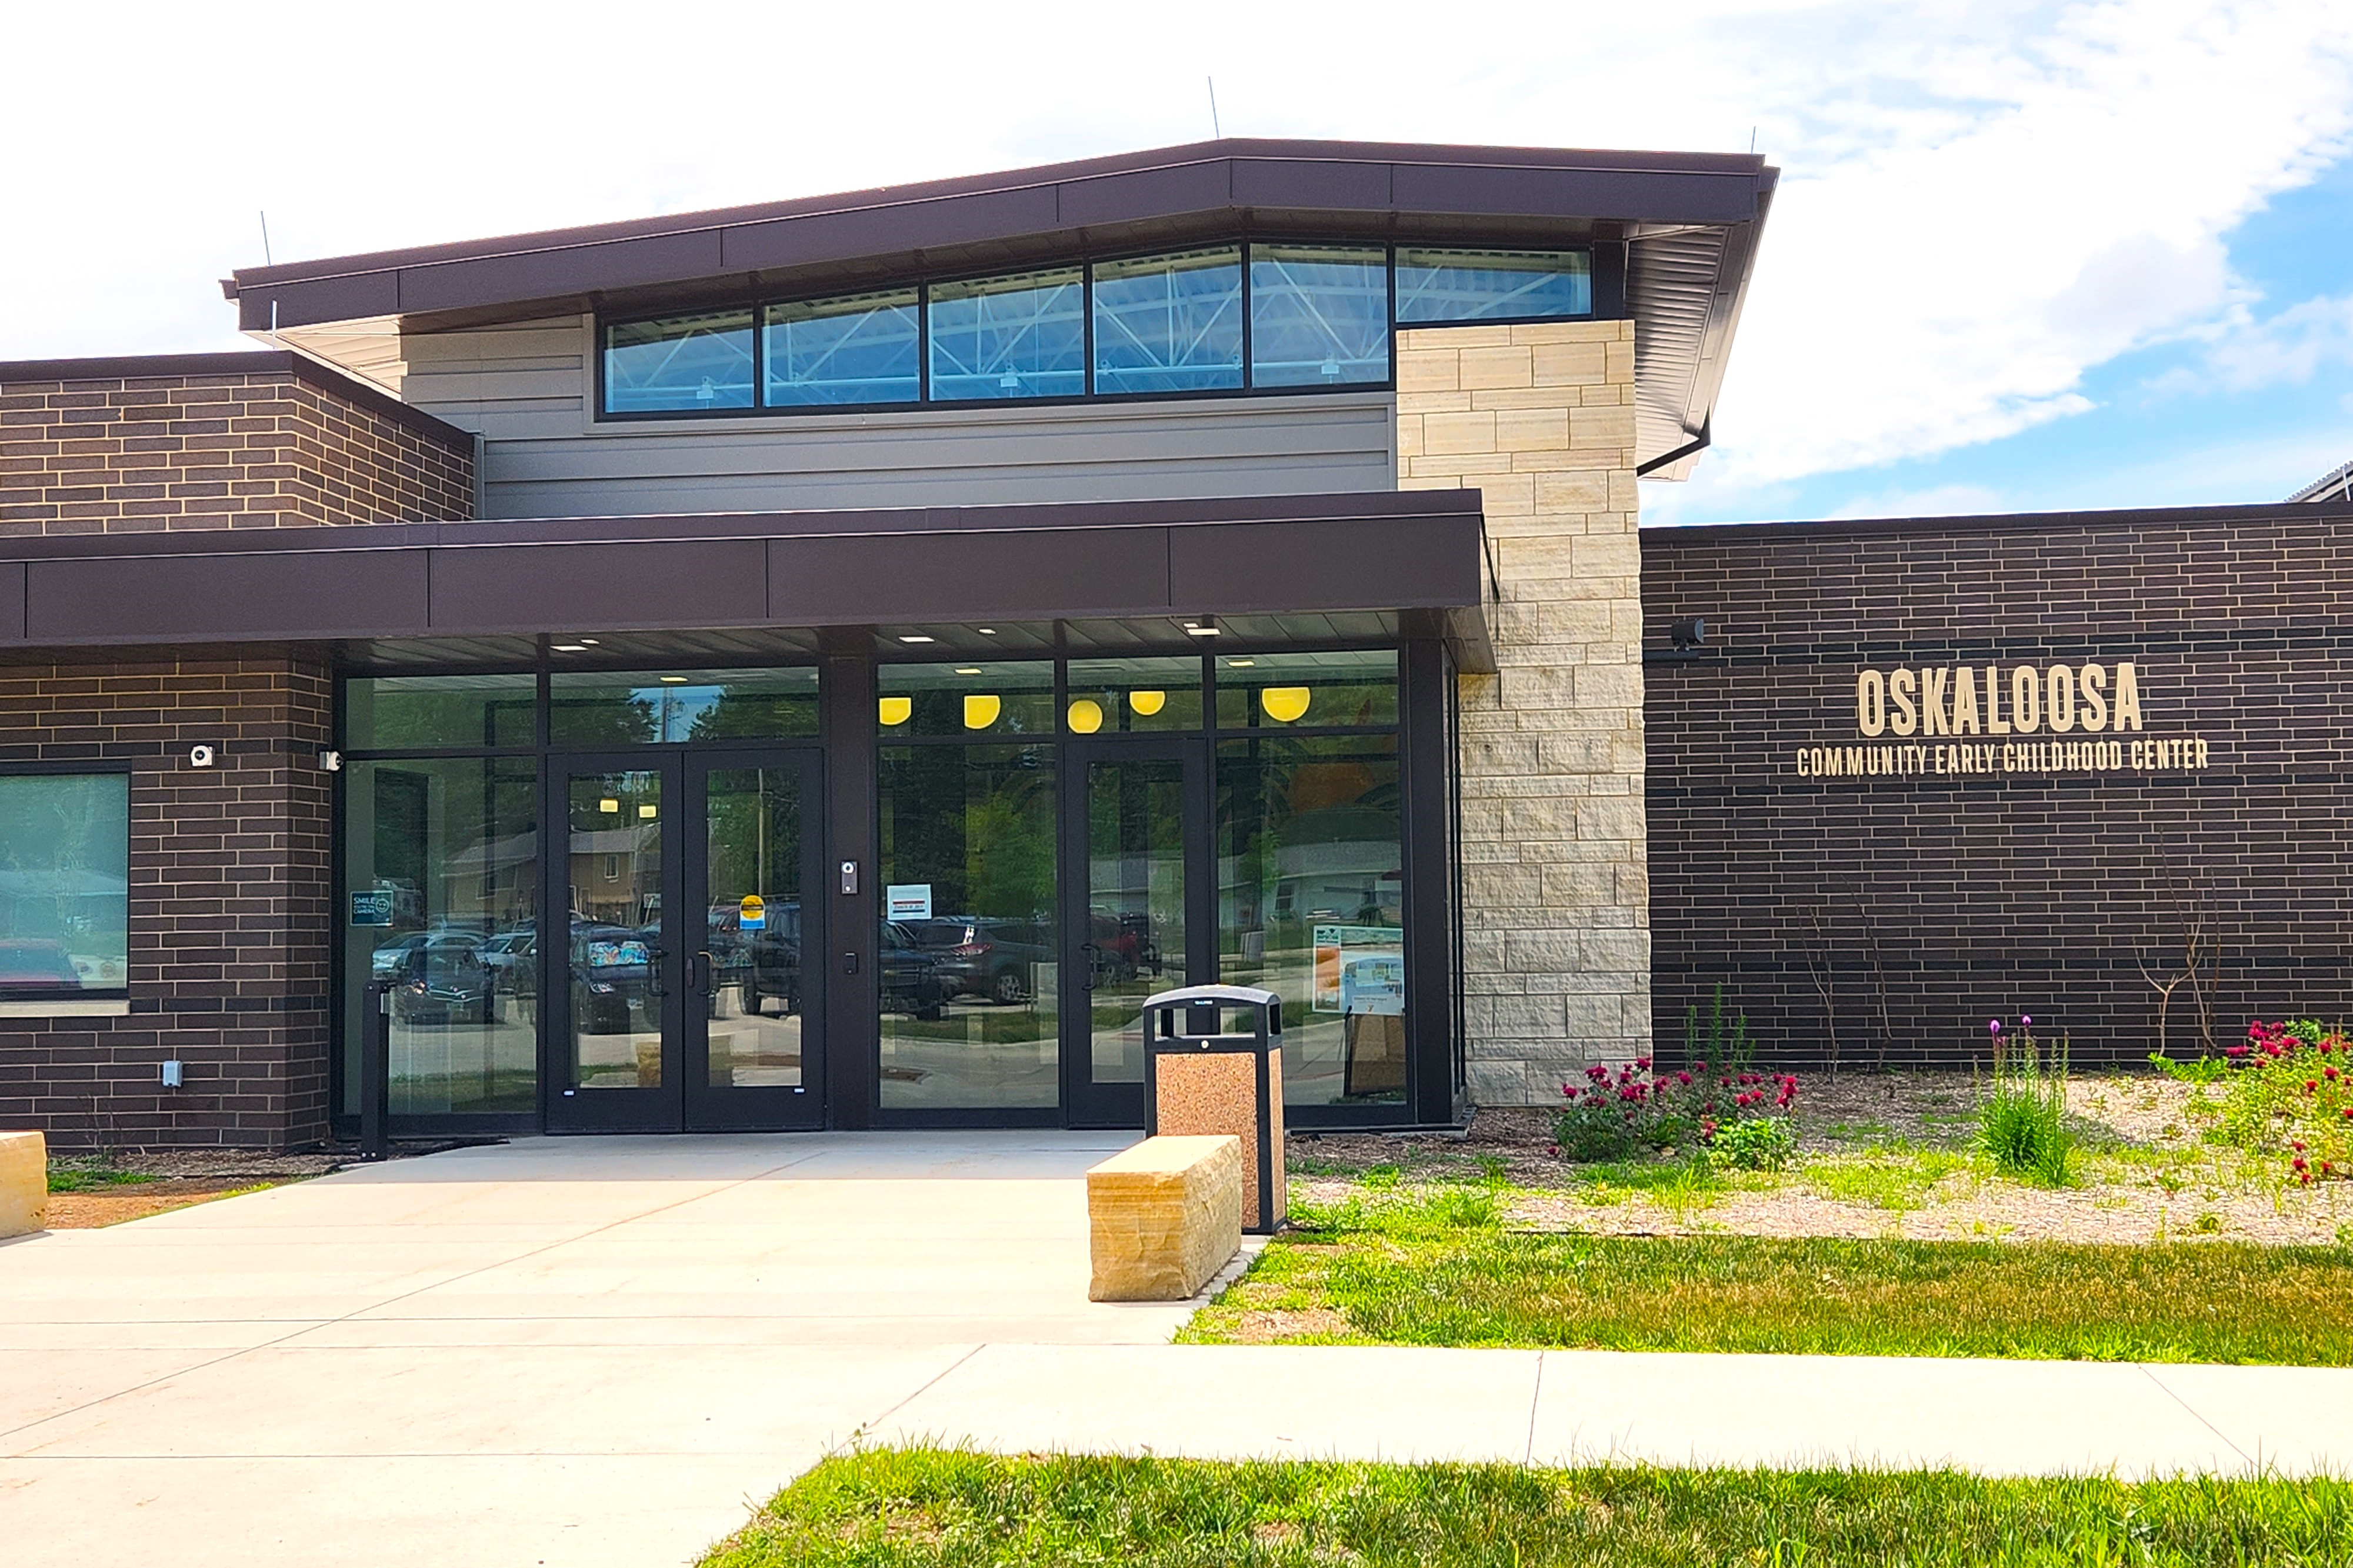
(375, 1072)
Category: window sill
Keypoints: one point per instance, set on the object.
(119, 1008)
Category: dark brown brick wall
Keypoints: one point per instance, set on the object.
(229, 907)
(1887, 918)
(263, 447)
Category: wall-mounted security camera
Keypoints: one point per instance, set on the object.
(331, 762)
(201, 756)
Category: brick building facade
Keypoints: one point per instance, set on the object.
(213, 441)
(2076, 874)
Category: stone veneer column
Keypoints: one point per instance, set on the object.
(1540, 419)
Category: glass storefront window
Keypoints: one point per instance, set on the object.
(1311, 905)
(1169, 324)
(968, 961)
(968, 702)
(863, 349)
(1319, 315)
(1492, 285)
(410, 712)
(65, 886)
(1306, 690)
(592, 707)
(1021, 336)
(440, 872)
(1127, 696)
(679, 364)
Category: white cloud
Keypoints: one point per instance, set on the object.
(2288, 348)
(1981, 200)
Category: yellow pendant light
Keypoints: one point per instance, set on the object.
(1283, 703)
(981, 710)
(1147, 702)
(1086, 716)
(896, 711)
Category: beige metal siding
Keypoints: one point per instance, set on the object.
(526, 387)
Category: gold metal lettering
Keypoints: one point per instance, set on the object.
(2093, 681)
(1870, 703)
(2026, 700)
(1932, 703)
(1905, 720)
(2127, 697)
(1965, 701)
(2059, 685)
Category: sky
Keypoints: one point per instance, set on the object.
(2023, 257)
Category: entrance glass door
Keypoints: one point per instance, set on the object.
(676, 997)
(610, 972)
(753, 1017)
(1139, 918)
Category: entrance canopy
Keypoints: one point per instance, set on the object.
(1115, 574)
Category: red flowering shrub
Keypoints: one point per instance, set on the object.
(2288, 1092)
(1615, 1115)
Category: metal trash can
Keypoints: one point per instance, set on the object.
(1198, 1078)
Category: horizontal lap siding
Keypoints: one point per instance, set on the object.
(1891, 916)
(527, 389)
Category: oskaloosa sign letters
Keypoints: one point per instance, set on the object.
(2057, 718)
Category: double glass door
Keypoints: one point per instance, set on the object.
(1140, 914)
(676, 997)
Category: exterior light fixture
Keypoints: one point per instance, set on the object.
(1200, 626)
(1147, 702)
(588, 642)
(1241, 664)
(981, 710)
(1283, 703)
(986, 631)
(609, 806)
(673, 681)
(967, 669)
(914, 637)
(1688, 635)
(897, 709)
(570, 647)
(1086, 716)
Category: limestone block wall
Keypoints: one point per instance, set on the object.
(1540, 419)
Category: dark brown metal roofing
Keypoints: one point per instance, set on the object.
(1687, 222)
(1388, 550)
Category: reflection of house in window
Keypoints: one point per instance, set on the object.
(612, 867)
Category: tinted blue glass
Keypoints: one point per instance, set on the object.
(857, 350)
(1022, 336)
(1492, 285)
(1169, 324)
(681, 362)
(1319, 315)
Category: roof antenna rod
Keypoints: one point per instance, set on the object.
(1752, 139)
(266, 261)
(1214, 129)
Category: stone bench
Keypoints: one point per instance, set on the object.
(1163, 1216)
(24, 1183)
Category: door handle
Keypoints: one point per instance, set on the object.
(710, 974)
(655, 959)
(1090, 949)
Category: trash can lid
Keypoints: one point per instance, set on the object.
(1248, 995)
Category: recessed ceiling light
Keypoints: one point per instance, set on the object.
(1201, 626)
(572, 647)
(986, 631)
(967, 669)
(1241, 664)
(915, 637)
(590, 641)
(673, 681)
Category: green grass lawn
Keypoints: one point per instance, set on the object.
(935, 1507)
(1441, 1270)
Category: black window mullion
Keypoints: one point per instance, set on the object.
(1087, 324)
(923, 343)
(1249, 309)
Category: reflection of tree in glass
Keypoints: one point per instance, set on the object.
(68, 840)
(755, 715)
(1009, 850)
(403, 716)
(604, 717)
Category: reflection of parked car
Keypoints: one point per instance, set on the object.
(35, 964)
(444, 979)
(911, 978)
(513, 957)
(989, 958)
(611, 972)
(771, 960)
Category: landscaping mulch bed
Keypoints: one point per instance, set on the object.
(1880, 1154)
(112, 1206)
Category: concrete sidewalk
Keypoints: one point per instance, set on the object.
(602, 1351)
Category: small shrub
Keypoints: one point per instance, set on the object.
(1730, 1049)
(2287, 1093)
(1616, 1116)
(2022, 1123)
(1757, 1143)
